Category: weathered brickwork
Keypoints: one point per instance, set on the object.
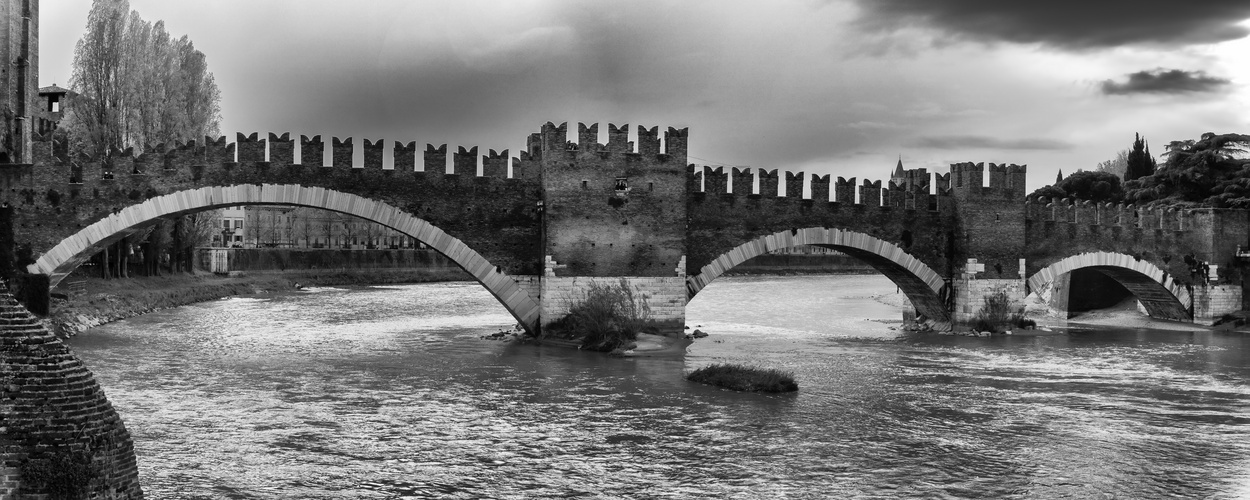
(990, 221)
(722, 220)
(55, 418)
(611, 210)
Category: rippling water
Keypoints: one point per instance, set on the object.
(391, 393)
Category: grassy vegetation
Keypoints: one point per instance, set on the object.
(744, 378)
(608, 317)
(999, 315)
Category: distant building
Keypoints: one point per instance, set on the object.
(52, 102)
(267, 226)
(899, 177)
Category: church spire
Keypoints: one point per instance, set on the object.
(898, 171)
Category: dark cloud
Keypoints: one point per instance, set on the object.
(1088, 24)
(983, 142)
(1161, 81)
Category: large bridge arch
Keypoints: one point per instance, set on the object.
(60, 260)
(1162, 296)
(918, 281)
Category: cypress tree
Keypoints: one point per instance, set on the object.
(1059, 178)
(1140, 163)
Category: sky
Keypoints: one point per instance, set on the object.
(841, 87)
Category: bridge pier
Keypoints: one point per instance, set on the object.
(662, 298)
(970, 295)
(1212, 302)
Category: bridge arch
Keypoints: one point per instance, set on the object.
(1162, 296)
(919, 282)
(72, 251)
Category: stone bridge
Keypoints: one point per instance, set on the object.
(537, 229)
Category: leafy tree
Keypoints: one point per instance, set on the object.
(1139, 162)
(1051, 192)
(138, 87)
(1091, 186)
(1211, 171)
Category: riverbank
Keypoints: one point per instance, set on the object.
(101, 301)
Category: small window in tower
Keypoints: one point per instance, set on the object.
(650, 186)
(585, 184)
(56, 106)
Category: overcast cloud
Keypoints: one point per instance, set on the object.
(1068, 24)
(795, 85)
(1161, 81)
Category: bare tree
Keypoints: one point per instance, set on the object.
(1117, 165)
(137, 86)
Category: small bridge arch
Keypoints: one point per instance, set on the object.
(77, 248)
(922, 285)
(1162, 296)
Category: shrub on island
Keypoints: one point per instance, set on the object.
(608, 317)
(744, 378)
(999, 314)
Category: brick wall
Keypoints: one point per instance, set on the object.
(611, 211)
(497, 217)
(52, 408)
(720, 221)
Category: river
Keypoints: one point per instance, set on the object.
(390, 392)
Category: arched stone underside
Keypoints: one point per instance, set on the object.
(1162, 296)
(920, 283)
(74, 250)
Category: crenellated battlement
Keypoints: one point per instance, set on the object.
(1084, 212)
(552, 139)
(1006, 181)
(259, 155)
(910, 196)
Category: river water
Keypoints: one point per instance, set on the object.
(390, 392)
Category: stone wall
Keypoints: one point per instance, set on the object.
(970, 295)
(1211, 302)
(665, 296)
